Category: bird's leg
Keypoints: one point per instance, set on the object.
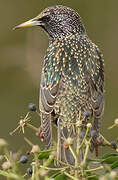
(41, 134)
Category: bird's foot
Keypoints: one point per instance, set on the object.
(40, 134)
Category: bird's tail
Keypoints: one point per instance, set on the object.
(95, 128)
(46, 129)
(65, 137)
(97, 114)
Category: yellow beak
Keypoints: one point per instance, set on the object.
(30, 23)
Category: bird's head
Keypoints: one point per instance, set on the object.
(57, 21)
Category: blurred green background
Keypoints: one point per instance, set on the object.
(21, 57)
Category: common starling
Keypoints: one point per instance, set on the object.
(72, 80)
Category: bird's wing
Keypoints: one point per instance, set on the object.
(50, 82)
(95, 79)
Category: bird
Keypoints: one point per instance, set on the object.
(72, 79)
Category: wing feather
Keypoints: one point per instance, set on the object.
(95, 80)
(49, 88)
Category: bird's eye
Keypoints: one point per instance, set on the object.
(45, 18)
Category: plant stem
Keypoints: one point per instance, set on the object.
(73, 152)
(28, 142)
(95, 169)
(36, 166)
(33, 174)
(112, 126)
(32, 127)
(10, 175)
(86, 151)
(86, 134)
(54, 169)
(77, 154)
(105, 140)
(67, 174)
(46, 164)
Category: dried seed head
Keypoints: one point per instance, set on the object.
(22, 123)
(113, 174)
(35, 149)
(116, 122)
(68, 142)
(2, 142)
(6, 165)
(89, 125)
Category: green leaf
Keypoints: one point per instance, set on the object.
(44, 155)
(60, 177)
(109, 155)
(114, 165)
(110, 160)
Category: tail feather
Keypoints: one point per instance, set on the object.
(97, 115)
(46, 129)
(63, 153)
